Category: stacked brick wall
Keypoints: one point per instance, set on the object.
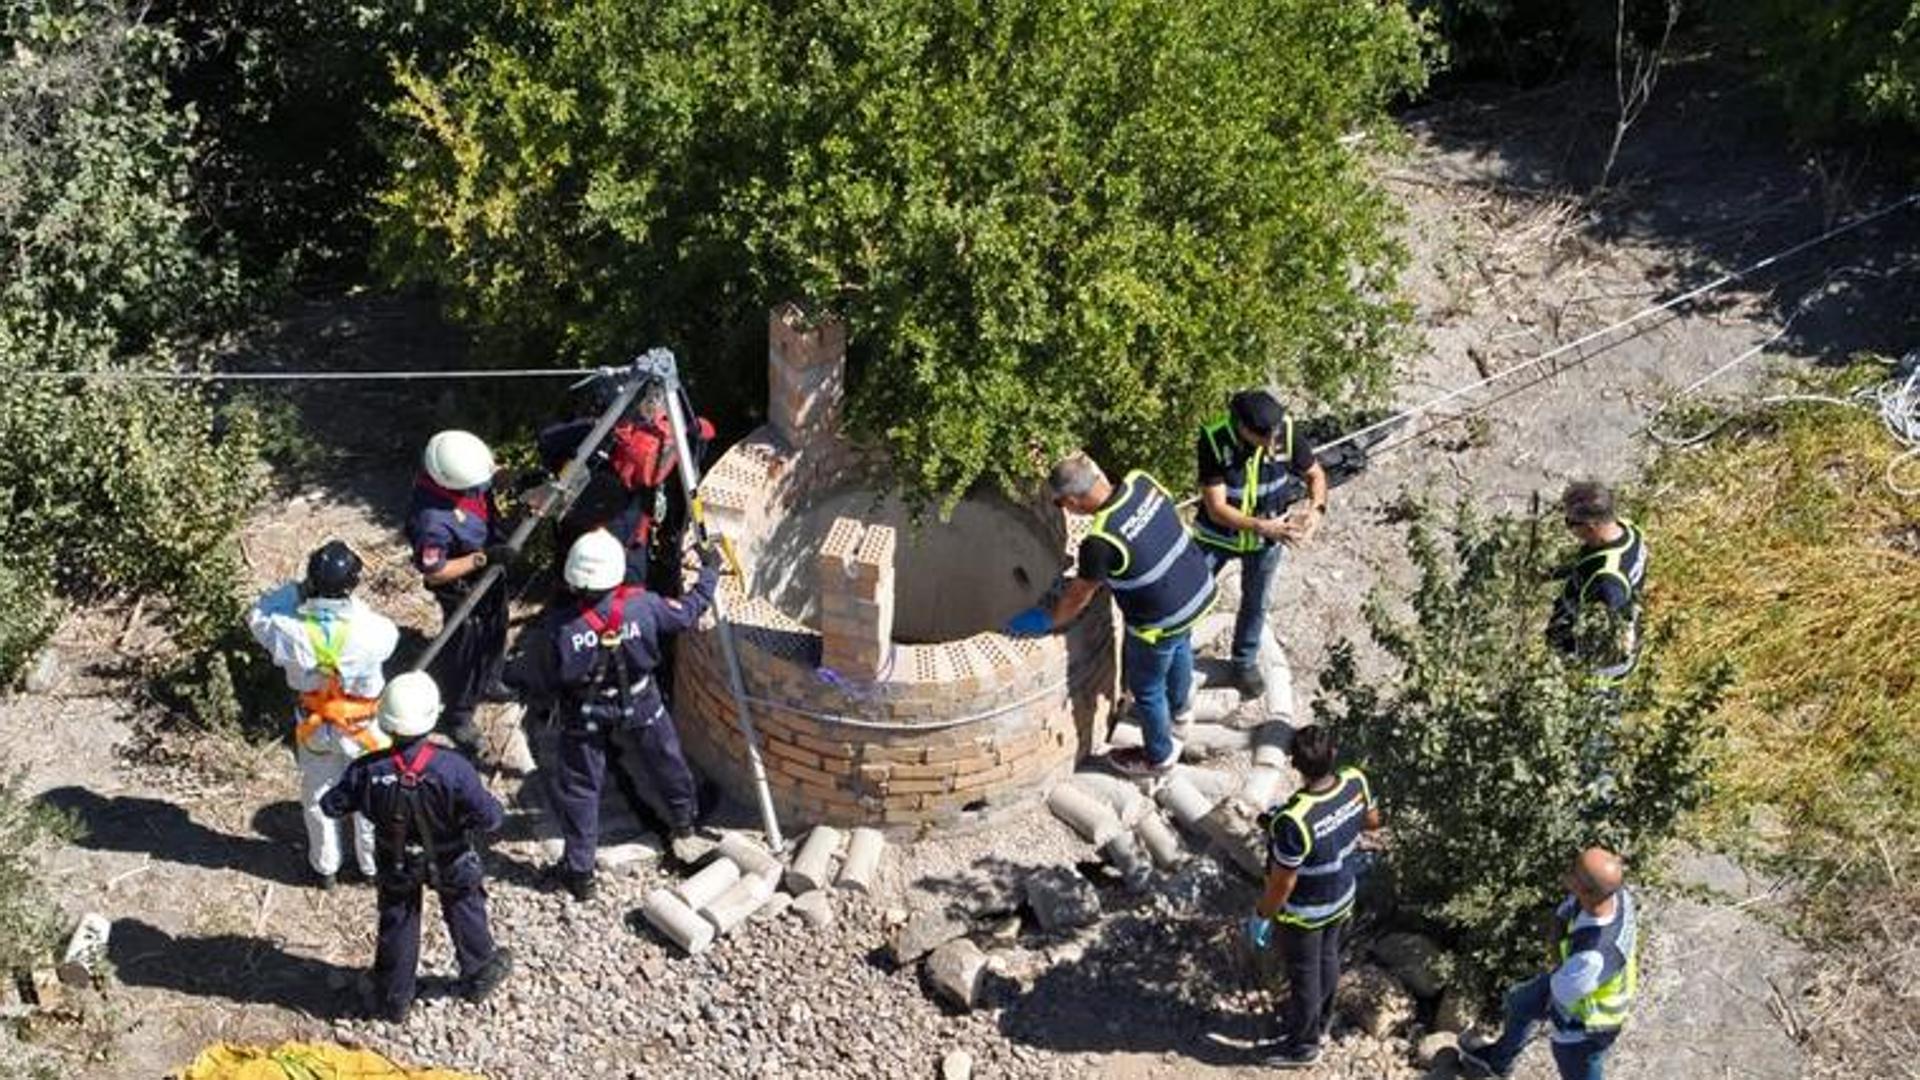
(854, 728)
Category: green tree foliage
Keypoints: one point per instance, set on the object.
(1048, 222)
(1841, 65)
(1494, 760)
(290, 97)
(106, 484)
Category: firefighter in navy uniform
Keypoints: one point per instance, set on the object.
(1312, 840)
(1253, 466)
(426, 805)
(598, 655)
(630, 490)
(1605, 577)
(455, 530)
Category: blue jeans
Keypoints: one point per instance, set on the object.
(1529, 1005)
(1160, 678)
(1257, 570)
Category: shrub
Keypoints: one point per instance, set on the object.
(1484, 751)
(107, 484)
(1841, 67)
(29, 919)
(1048, 222)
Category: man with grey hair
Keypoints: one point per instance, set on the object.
(1607, 573)
(1588, 994)
(1139, 548)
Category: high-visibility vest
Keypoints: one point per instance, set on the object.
(1624, 561)
(1607, 1006)
(1162, 585)
(1331, 821)
(331, 706)
(1259, 484)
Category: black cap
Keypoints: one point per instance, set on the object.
(332, 571)
(1258, 410)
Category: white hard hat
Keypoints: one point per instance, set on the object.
(596, 562)
(410, 705)
(458, 460)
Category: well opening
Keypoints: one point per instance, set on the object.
(871, 663)
(953, 578)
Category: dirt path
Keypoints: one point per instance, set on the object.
(218, 937)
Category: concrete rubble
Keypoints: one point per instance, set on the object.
(955, 971)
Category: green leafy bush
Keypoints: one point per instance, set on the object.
(1841, 66)
(29, 920)
(1493, 760)
(107, 485)
(1048, 222)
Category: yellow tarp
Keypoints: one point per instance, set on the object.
(304, 1061)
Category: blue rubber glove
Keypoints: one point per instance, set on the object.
(1033, 622)
(1259, 931)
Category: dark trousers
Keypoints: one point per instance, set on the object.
(471, 661)
(463, 904)
(1313, 974)
(1257, 571)
(582, 774)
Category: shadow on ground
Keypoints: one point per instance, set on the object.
(167, 832)
(1707, 175)
(232, 967)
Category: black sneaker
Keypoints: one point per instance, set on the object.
(582, 887)
(1293, 1056)
(395, 1014)
(489, 977)
(1249, 681)
(326, 882)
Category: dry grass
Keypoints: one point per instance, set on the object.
(1778, 546)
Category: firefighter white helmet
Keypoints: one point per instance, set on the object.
(596, 562)
(458, 460)
(410, 705)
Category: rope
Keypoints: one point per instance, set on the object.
(308, 376)
(1645, 313)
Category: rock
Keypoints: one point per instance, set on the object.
(815, 908)
(1415, 960)
(1122, 853)
(1084, 813)
(709, 884)
(749, 856)
(676, 921)
(1233, 835)
(957, 1065)
(628, 857)
(954, 970)
(1061, 899)
(1453, 1013)
(1261, 789)
(924, 932)
(48, 991)
(1005, 931)
(1435, 1046)
(813, 864)
(1204, 742)
(1161, 842)
(863, 859)
(1184, 801)
(1121, 796)
(1373, 1001)
(776, 906)
(45, 673)
(1270, 743)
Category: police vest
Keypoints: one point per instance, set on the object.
(1162, 584)
(1332, 821)
(330, 706)
(1624, 561)
(1259, 484)
(1607, 1006)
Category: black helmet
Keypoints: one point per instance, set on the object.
(332, 571)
